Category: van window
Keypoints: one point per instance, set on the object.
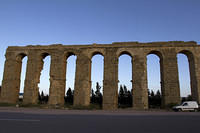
(185, 104)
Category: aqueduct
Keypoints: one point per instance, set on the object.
(167, 52)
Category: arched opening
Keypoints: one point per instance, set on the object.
(44, 79)
(154, 76)
(97, 68)
(186, 72)
(22, 58)
(70, 79)
(125, 78)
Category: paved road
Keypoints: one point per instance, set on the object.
(52, 121)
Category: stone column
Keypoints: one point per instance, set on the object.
(169, 78)
(197, 68)
(57, 79)
(110, 81)
(139, 82)
(34, 67)
(11, 79)
(82, 80)
(194, 66)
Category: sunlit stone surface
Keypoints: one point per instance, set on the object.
(166, 51)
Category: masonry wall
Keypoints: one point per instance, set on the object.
(167, 52)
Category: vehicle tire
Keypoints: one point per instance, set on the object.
(179, 110)
(195, 110)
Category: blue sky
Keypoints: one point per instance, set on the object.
(24, 22)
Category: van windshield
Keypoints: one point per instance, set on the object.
(185, 104)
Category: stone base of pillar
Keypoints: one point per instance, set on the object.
(55, 100)
(28, 98)
(8, 101)
(107, 106)
(81, 98)
(79, 102)
(169, 101)
(140, 99)
(29, 103)
(140, 106)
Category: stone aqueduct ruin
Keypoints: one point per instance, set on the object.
(166, 51)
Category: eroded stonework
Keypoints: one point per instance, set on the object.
(166, 51)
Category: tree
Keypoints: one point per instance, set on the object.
(42, 94)
(92, 96)
(69, 96)
(98, 88)
(121, 92)
(158, 93)
(155, 99)
(152, 93)
(148, 92)
(121, 95)
(188, 98)
(125, 90)
(92, 91)
(98, 95)
(42, 97)
(39, 97)
(124, 97)
(129, 98)
(46, 98)
(69, 92)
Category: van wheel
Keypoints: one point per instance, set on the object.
(179, 110)
(195, 110)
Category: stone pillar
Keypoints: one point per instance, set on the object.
(110, 81)
(57, 79)
(197, 68)
(169, 78)
(194, 66)
(11, 79)
(139, 82)
(34, 67)
(82, 81)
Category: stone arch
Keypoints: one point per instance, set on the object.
(19, 58)
(94, 56)
(193, 78)
(160, 56)
(188, 53)
(21, 55)
(156, 52)
(69, 75)
(94, 52)
(126, 85)
(41, 62)
(44, 55)
(124, 51)
(69, 53)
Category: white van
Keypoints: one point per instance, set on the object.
(187, 106)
